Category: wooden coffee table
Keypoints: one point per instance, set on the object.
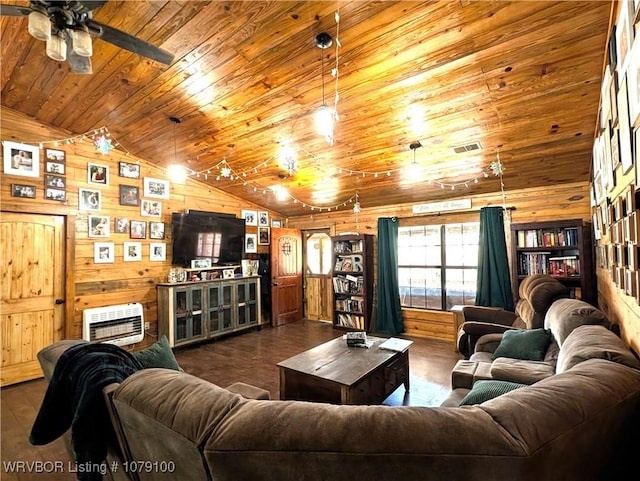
(336, 373)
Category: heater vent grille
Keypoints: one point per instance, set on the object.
(121, 324)
(467, 148)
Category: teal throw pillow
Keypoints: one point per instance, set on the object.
(158, 355)
(488, 389)
(526, 344)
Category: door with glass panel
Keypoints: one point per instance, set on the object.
(317, 275)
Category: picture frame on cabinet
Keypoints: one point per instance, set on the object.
(55, 155)
(55, 194)
(276, 223)
(250, 217)
(121, 225)
(89, 199)
(150, 208)
(21, 159)
(23, 190)
(156, 188)
(129, 170)
(129, 195)
(264, 236)
(97, 174)
(132, 251)
(157, 251)
(251, 243)
(138, 229)
(228, 274)
(103, 252)
(98, 226)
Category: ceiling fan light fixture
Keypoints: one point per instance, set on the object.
(39, 26)
(57, 48)
(81, 41)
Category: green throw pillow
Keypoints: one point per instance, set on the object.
(488, 389)
(526, 344)
(158, 355)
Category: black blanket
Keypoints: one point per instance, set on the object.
(74, 399)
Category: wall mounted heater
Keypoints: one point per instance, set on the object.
(120, 325)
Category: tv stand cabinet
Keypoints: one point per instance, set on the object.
(195, 311)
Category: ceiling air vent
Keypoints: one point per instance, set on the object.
(467, 148)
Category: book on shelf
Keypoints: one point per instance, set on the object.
(547, 237)
(348, 263)
(351, 320)
(564, 266)
(348, 285)
(347, 246)
(396, 344)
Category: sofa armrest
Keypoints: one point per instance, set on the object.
(248, 391)
(491, 315)
(489, 342)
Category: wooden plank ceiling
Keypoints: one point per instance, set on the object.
(521, 78)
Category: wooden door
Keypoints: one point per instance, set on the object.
(286, 276)
(32, 280)
(317, 275)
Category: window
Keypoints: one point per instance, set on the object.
(209, 245)
(437, 265)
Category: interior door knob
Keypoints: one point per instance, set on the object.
(59, 301)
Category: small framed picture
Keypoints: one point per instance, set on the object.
(55, 181)
(54, 168)
(89, 199)
(276, 223)
(97, 174)
(151, 208)
(157, 251)
(103, 252)
(55, 155)
(156, 230)
(55, 194)
(156, 188)
(263, 236)
(200, 263)
(98, 226)
(128, 170)
(121, 225)
(251, 243)
(132, 251)
(21, 159)
(263, 219)
(138, 229)
(22, 190)
(227, 274)
(129, 195)
(250, 217)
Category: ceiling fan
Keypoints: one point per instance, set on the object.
(67, 27)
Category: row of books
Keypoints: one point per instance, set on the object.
(350, 263)
(351, 304)
(351, 320)
(548, 237)
(532, 263)
(348, 285)
(347, 246)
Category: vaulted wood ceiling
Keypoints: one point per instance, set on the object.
(521, 78)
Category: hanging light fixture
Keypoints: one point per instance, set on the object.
(81, 41)
(39, 25)
(57, 47)
(324, 116)
(176, 172)
(414, 171)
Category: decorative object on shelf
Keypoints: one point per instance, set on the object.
(129, 170)
(156, 188)
(98, 226)
(157, 251)
(21, 159)
(22, 190)
(138, 229)
(89, 199)
(249, 267)
(250, 217)
(97, 174)
(200, 263)
(132, 251)
(251, 243)
(103, 253)
(129, 195)
(228, 274)
(150, 208)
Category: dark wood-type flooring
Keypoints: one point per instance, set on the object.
(249, 357)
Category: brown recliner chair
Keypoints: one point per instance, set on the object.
(536, 294)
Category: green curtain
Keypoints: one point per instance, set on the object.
(494, 280)
(389, 319)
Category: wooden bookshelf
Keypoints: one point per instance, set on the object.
(352, 280)
(562, 249)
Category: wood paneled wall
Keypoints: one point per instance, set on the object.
(89, 284)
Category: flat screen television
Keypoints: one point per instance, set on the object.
(207, 235)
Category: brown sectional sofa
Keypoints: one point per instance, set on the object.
(578, 423)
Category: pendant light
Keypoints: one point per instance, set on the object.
(324, 116)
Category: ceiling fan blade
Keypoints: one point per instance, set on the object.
(92, 5)
(14, 10)
(129, 42)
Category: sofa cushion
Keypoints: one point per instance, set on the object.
(158, 355)
(523, 372)
(565, 315)
(594, 342)
(488, 389)
(528, 344)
